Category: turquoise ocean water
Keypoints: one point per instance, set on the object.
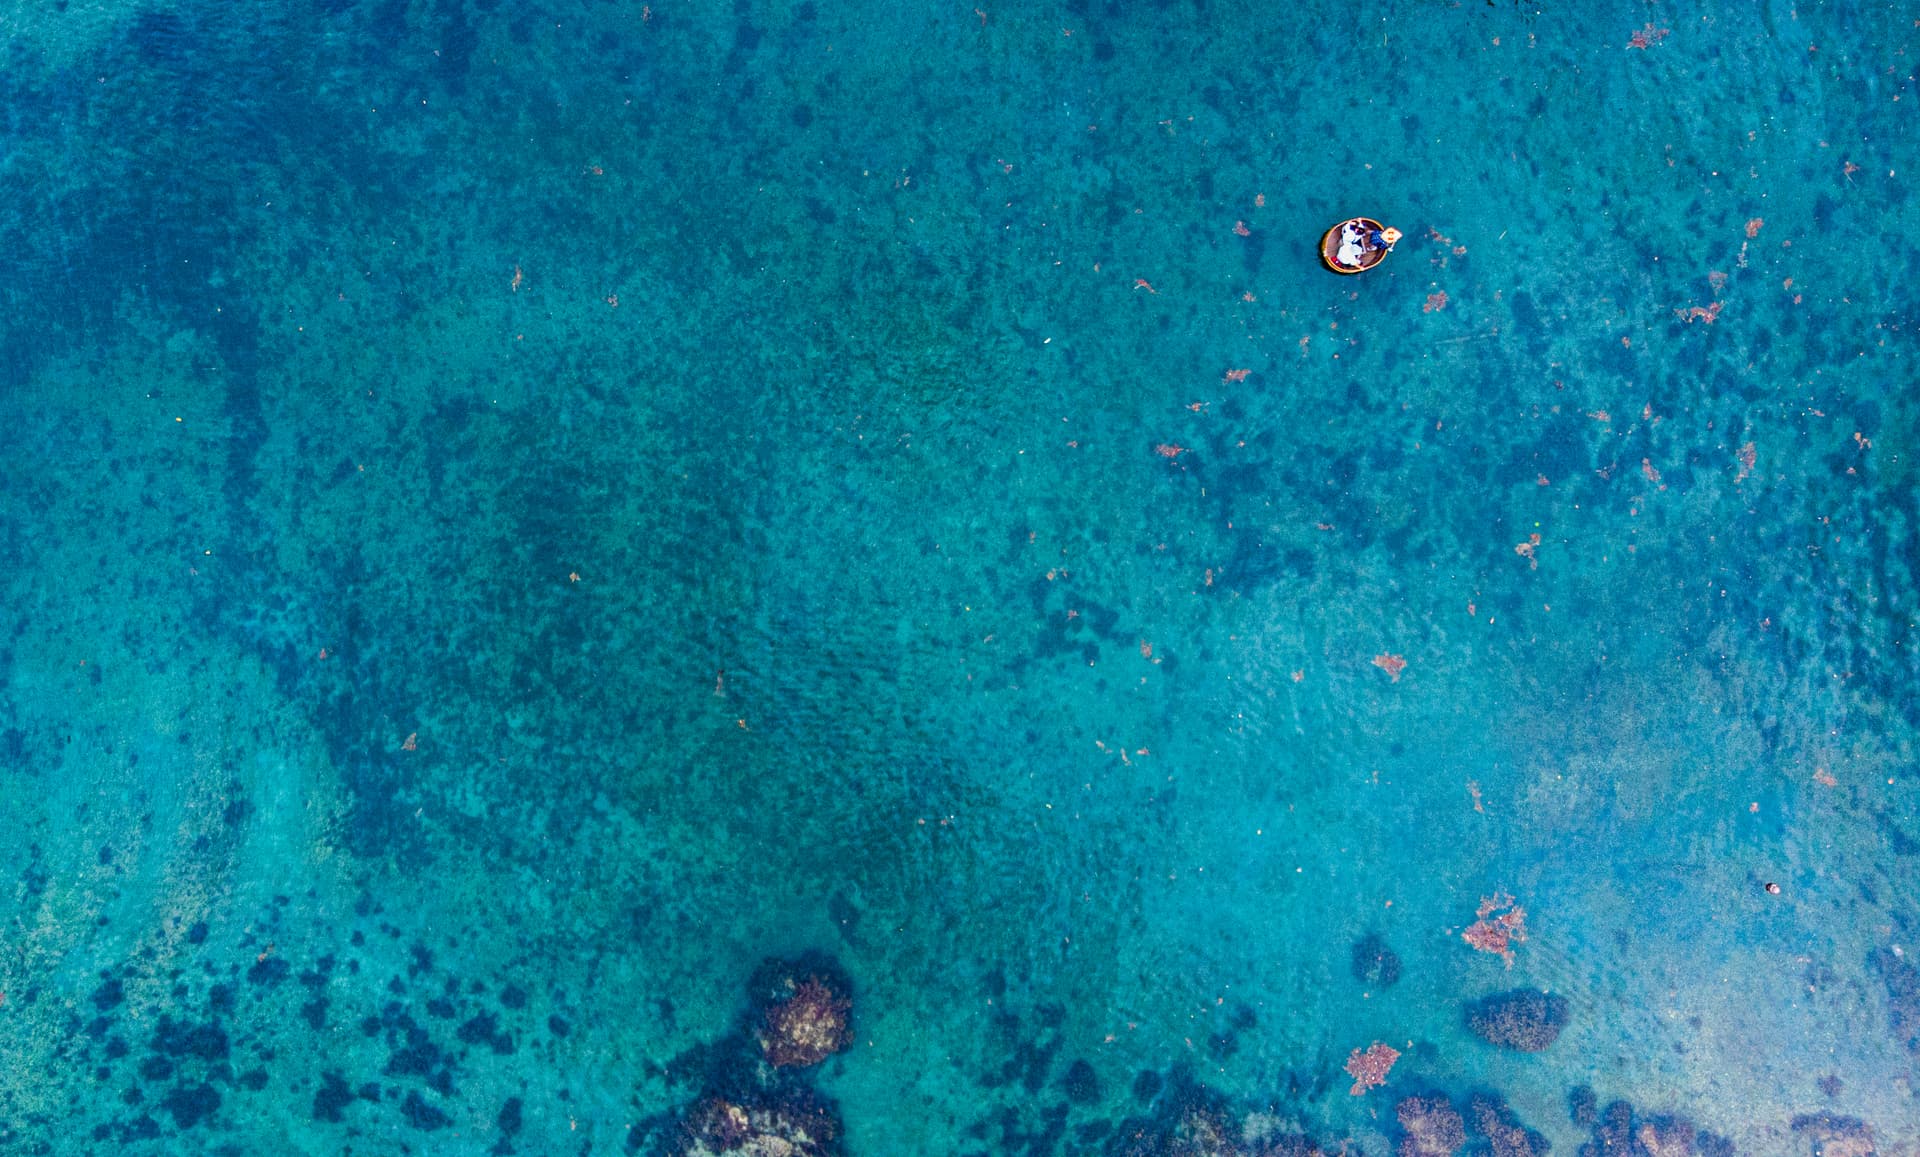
(528, 525)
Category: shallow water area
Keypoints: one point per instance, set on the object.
(538, 534)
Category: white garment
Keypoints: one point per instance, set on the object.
(1353, 249)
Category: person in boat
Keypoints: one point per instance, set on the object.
(1359, 241)
(1353, 245)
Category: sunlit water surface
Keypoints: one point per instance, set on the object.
(523, 522)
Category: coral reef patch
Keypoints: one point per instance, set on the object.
(807, 1026)
(789, 1122)
(1618, 1129)
(1429, 1127)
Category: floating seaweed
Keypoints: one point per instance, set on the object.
(1369, 1069)
(1500, 924)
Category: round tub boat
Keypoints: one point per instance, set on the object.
(1348, 247)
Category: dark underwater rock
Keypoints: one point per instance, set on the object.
(1617, 1129)
(191, 1104)
(1374, 963)
(1081, 1083)
(1903, 996)
(1523, 1019)
(1583, 1108)
(421, 1115)
(331, 1098)
(1835, 1136)
(1506, 1134)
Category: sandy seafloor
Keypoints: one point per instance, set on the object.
(516, 514)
